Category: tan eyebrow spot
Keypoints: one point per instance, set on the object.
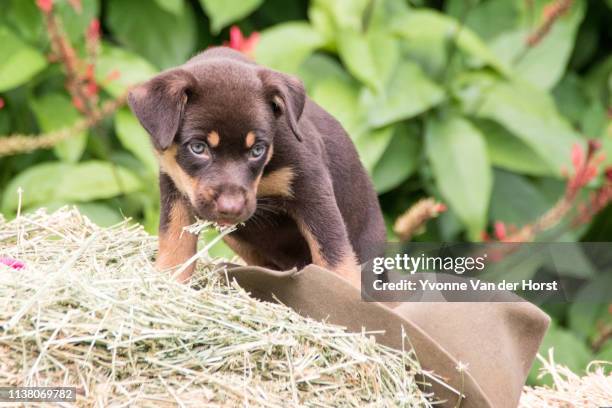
(213, 139)
(249, 140)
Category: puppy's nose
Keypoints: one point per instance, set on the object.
(230, 205)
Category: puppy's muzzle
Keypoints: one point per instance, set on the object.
(230, 206)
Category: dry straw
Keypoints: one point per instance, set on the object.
(569, 390)
(89, 310)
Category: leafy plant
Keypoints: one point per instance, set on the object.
(480, 104)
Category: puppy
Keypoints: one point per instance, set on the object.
(242, 144)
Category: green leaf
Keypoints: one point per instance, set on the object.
(173, 6)
(527, 112)
(343, 14)
(135, 139)
(585, 315)
(340, 99)
(26, 19)
(509, 152)
(408, 93)
(79, 182)
(371, 57)
(400, 159)
(19, 62)
(164, 38)
(570, 97)
(224, 12)
(568, 350)
(356, 53)
(285, 46)
(432, 27)
(321, 67)
(99, 213)
(515, 200)
(130, 68)
(605, 354)
(54, 112)
(487, 19)
(372, 144)
(457, 153)
(544, 64)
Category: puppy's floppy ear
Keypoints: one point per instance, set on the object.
(287, 96)
(160, 102)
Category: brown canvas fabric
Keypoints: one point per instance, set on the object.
(496, 341)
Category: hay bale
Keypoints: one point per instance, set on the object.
(89, 310)
(569, 390)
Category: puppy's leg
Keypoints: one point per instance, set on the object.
(247, 252)
(175, 245)
(323, 228)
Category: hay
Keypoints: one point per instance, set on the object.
(89, 310)
(569, 390)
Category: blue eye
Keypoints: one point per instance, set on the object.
(257, 151)
(198, 148)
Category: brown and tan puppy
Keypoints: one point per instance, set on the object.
(240, 143)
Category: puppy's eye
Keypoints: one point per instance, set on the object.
(275, 107)
(257, 151)
(198, 148)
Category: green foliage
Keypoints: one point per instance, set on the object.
(164, 38)
(20, 62)
(53, 112)
(445, 99)
(458, 156)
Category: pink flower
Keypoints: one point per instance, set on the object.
(76, 5)
(577, 157)
(440, 208)
(13, 263)
(45, 5)
(78, 103)
(92, 88)
(500, 230)
(114, 75)
(239, 42)
(1, 103)
(93, 31)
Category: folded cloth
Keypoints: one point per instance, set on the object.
(481, 351)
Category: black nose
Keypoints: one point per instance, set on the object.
(230, 205)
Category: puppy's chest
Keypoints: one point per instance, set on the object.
(272, 237)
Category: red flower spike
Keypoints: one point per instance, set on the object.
(92, 89)
(76, 5)
(93, 31)
(440, 208)
(590, 174)
(500, 230)
(114, 75)
(78, 103)
(577, 157)
(1, 103)
(238, 42)
(89, 72)
(550, 10)
(609, 174)
(45, 5)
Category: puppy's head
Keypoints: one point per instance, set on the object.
(213, 126)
